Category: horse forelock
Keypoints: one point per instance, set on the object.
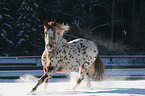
(57, 26)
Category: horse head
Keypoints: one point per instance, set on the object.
(52, 30)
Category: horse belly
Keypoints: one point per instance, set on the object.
(70, 66)
(67, 69)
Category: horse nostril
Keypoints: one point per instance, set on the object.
(50, 46)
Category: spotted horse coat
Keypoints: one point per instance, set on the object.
(62, 56)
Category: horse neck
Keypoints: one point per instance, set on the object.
(60, 42)
(57, 45)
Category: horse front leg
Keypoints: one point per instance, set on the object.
(80, 78)
(40, 81)
(45, 77)
(46, 83)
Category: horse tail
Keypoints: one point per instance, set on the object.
(97, 69)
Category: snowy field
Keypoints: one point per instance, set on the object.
(63, 87)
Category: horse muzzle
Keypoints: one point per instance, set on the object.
(49, 47)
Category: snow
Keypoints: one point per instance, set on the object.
(7, 15)
(20, 41)
(8, 25)
(24, 85)
(1, 17)
(27, 36)
(24, 17)
(5, 9)
(105, 88)
(28, 25)
(29, 19)
(36, 5)
(2, 34)
(9, 41)
(34, 29)
(4, 31)
(20, 33)
(31, 9)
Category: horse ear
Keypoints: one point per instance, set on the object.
(62, 24)
(54, 23)
(45, 23)
(65, 27)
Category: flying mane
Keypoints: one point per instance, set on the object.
(61, 28)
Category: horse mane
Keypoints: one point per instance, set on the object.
(60, 28)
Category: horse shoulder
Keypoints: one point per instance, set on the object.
(43, 57)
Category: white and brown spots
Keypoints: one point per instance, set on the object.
(70, 56)
(62, 56)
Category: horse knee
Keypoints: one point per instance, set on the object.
(88, 81)
(79, 80)
(40, 80)
(47, 80)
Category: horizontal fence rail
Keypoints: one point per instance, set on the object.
(117, 67)
(109, 74)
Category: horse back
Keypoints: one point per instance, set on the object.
(84, 50)
(84, 47)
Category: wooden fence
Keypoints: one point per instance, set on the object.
(117, 67)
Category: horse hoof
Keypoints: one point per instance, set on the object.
(31, 92)
(74, 88)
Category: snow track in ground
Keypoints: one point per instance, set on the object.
(104, 88)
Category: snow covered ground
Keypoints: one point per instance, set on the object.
(63, 87)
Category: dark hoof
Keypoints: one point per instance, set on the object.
(32, 92)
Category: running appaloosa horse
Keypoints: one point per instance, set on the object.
(62, 56)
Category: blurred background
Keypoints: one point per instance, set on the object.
(117, 26)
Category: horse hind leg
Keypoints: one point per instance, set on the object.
(87, 77)
(80, 77)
